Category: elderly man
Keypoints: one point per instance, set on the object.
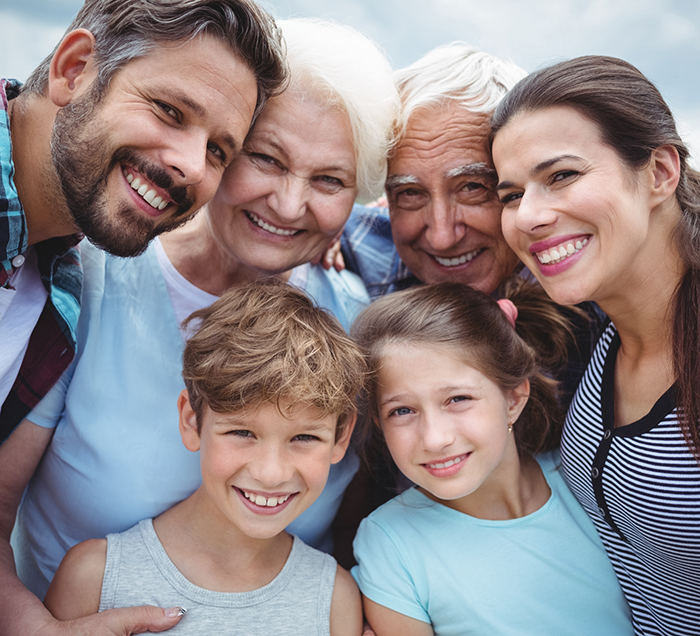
(120, 135)
(443, 221)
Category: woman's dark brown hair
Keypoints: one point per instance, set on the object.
(634, 120)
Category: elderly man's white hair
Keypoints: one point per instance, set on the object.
(455, 72)
(340, 66)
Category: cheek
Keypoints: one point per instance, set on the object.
(405, 226)
(511, 234)
(332, 214)
(241, 184)
(401, 443)
(217, 463)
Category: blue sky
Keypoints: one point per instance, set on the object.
(660, 37)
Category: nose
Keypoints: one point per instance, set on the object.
(444, 227)
(289, 198)
(270, 467)
(437, 433)
(186, 157)
(533, 212)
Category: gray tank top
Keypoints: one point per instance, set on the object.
(297, 602)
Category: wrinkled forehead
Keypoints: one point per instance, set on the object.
(448, 136)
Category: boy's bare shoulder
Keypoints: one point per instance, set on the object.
(346, 605)
(76, 588)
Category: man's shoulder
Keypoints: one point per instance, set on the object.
(368, 221)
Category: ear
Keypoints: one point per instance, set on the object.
(341, 446)
(665, 167)
(517, 399)
(72, 71)
(188, 422)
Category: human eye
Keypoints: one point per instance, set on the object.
(563, 175)
(409, 198)
(169, 110)
(329, 183)
(305, 437)
(510, 198)
(241, 432)
(216, 150)
(264, 161)
(459, 398)
(399, 411)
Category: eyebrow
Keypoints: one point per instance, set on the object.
(478, 169)
(398, 180)
(540, 167)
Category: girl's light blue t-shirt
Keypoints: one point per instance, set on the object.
(546, 573)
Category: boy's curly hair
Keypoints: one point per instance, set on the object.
(267, 342)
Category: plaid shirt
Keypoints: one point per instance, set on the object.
(52, 344)
(368, 249)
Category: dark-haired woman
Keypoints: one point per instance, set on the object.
(600, 204)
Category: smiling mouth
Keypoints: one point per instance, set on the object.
(557, 254)
(448, 463)
(147, 193)
(265, 502)
(459, 260)
(254, 218)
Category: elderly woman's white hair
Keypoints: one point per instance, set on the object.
(339, 65)
(455, 72)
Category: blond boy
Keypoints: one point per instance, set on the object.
(270, 405)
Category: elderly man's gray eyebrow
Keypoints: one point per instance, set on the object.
(479, 169)
(398, 180)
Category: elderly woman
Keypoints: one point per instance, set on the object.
(600, 204)
(116, 455)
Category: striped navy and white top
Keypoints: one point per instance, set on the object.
(641, 486)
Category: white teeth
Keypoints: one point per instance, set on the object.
(149, 194)
(557, 254)
(459, 260)
(270, 228)
(259, 500)
(447, 464)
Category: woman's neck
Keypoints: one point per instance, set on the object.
(643, 314)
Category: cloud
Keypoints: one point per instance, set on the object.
(660, 37)
(25, 43)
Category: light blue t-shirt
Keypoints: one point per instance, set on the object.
(545, 573)
(116, 456)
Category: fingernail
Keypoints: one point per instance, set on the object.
(175, 611)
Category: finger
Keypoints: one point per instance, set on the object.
(367, 630)
(125, 621)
